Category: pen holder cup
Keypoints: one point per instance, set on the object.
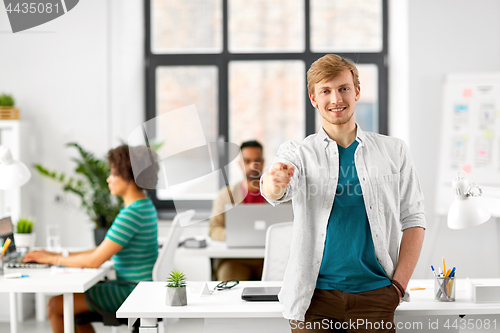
(444, 289)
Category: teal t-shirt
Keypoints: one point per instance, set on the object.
(135, 228)
(349, 262)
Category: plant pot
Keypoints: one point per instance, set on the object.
(24, 240)
(99, 235)
(176, 296)
(9, 113)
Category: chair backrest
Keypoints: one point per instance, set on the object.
(278, 241)
(165, 262)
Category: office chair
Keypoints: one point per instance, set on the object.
(278, 241)
(161, 270)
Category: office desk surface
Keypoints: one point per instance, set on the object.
(42, 280)
(148, 300)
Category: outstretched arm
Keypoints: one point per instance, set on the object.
(87, 259)
(275, 182)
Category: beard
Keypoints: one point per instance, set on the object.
(253, 175)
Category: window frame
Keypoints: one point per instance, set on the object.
(222, 60)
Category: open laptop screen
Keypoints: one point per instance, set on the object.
(7, 231)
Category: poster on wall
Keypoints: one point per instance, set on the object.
(470, 136)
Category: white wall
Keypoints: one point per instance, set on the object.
(77, 78)
(448, 36)
(80, 77)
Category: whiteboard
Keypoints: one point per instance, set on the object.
(470, 135)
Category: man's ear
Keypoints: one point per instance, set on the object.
(358, 93)
(313, 100)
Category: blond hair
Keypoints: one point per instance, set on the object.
(328, 67)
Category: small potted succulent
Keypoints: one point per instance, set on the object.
(7, 109)
(24, 238)
(176, 289)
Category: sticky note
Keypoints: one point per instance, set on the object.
(461, 108)
(467, 93)
(488, 134)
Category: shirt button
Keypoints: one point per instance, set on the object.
(363, 178)
(371, 207)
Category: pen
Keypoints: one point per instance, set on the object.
(452, 274)
(6, 245)
(433, 271)
(15, 275)
(448, 272)
(444, 266)
(440, 272)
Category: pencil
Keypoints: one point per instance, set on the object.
(444, 267)
(6, 245)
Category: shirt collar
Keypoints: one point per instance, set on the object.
(324, 138)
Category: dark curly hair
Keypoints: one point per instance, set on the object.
(124, 160)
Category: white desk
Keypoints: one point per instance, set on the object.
(41, 280)
(225, 308)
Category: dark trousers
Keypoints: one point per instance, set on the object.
(338, 311)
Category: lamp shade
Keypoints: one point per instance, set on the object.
(12, 173)
(467, 210)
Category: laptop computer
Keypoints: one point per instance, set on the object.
(261, 294)
(12, 258)
(246, 224)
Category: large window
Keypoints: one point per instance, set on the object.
(242, 64)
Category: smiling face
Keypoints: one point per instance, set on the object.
(335, 99)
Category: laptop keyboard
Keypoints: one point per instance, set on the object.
(18, 263)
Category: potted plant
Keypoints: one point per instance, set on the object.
(7, 109)
(92, 189)
(176, 289)
(24, 238)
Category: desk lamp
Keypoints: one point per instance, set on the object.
(467, 210)
(12, 173)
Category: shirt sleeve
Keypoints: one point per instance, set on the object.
(124, 227)
(287, 154)
(412, 212)
(217, 224)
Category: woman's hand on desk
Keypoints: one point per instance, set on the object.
(41, 256)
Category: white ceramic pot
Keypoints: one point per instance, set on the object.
(26, 241)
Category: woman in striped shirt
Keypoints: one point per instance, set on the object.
(132, 240)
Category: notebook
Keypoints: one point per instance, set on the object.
(246, 224)
(260, 294)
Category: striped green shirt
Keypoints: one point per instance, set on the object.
(135, 228)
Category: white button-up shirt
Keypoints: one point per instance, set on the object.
(391, 193)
